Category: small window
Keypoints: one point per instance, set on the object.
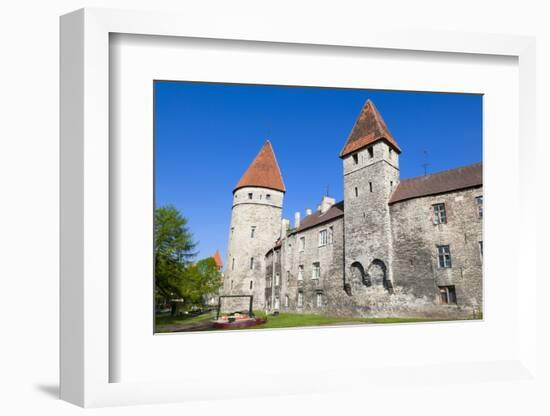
(356, 192)
(479, 203)
(440, 215)
(371, 152)
(322, 238)
(330, 234)
(300, 272)
(251, 263)
(370, 186)
(481, 249)
(447, 295)
(233, 264)
(444, 256)
(287, 301)
(250, 195)
(268, 197)
(277, 279)
(316, 271)
(391, 184)
(302, 243)
(277, 302)
(355, 158)
(269, 282)
(319, 300)
(300, 299)
(252, 231)
(251, 284)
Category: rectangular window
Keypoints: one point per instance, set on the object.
(268, 283)
(481, 249)
(447, 295)
(355, 158)
(330, 234)
(300, 272)
(440, 215)
(479, 203)
(302, 243)
(370, 186)
(252, 231)
(322, 238)
(371, 152)
(300, 299)
(250, 196)
(251, 284)
(316, 271)
(356, 192)
(319, 300)
(251, 263)
(444, 256)
(277, 279)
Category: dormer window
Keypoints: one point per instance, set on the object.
(371, 152)
(355, 158)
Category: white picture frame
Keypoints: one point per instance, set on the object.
(86, 356)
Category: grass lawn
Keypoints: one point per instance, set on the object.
(289, 320)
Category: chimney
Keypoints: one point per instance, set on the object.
(326, 203)
(296, 220)
(308, 211)
(285, 224)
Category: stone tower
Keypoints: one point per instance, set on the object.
(255, 226)
(371, 173)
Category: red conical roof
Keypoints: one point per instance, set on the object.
(264, 171)
(218, 259)
(369, 128)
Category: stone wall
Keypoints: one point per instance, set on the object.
(415, 241)
(262, 211)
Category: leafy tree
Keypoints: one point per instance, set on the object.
(174, 250)
(176, 276)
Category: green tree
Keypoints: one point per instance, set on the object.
(201, 279)
(174, 250)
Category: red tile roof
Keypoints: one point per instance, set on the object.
(369, 128)
(264, 171)
(218, 259)
(437, 183)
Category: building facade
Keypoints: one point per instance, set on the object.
(391, 248)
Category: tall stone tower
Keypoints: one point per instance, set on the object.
(371, 173)
(255, 226)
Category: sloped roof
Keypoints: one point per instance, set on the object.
(437, 183)
(264, 171)
(316, 218)
(218, 259)
(369, 128)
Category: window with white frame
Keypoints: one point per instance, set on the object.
(277, 279)
(300, 272)
(302, 243)
(444, 256)
(300, 299)
(319, 300)
(316, 271)
(322, 238)
(440, 215)
(479, 203)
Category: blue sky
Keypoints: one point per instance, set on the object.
(207, 134)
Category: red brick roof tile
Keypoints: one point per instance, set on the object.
(264, 171)
(369, 128)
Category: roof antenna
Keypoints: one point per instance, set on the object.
(425, 164)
